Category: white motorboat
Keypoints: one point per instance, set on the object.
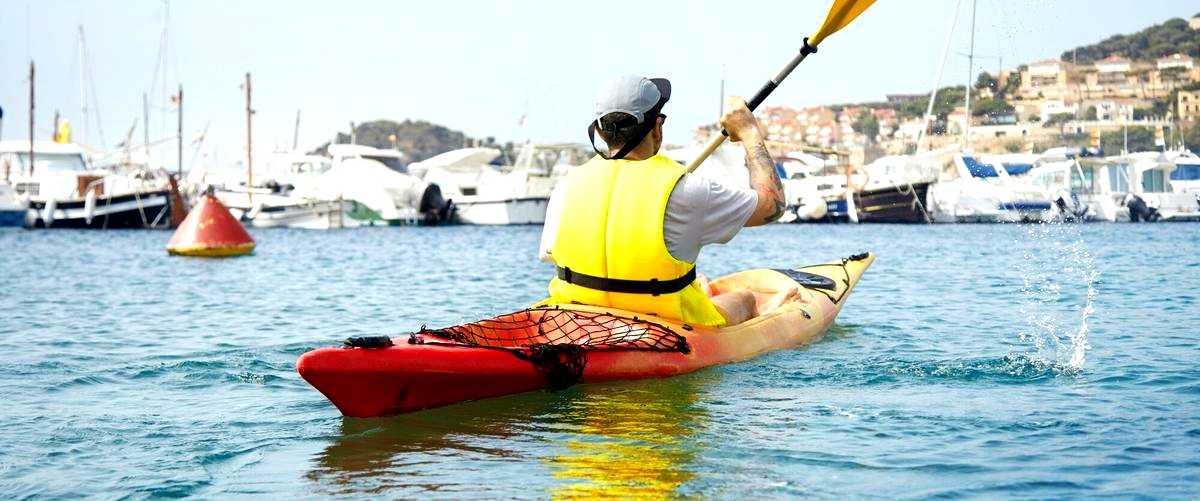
(1087, 189)
(487, 194)
(1186, 176)
(1145, 186)
(381, 188)
(285, 194)
(1168, 184)
(972, 191)
(63, 191)
(265, 208)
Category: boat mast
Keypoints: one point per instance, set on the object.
(937, 81)
(296, 132)
(31, 107)
(146, 125)
(179, 132)
(970, 70)
(83, 109)
(249, 145)
(721, 108)
(162, 50)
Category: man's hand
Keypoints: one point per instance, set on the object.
(740, 122)
(744, 128)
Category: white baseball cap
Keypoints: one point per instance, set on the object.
(633, 95)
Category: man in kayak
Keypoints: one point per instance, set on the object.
(625, 229)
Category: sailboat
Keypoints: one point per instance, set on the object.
(971, 190)
(63, 190)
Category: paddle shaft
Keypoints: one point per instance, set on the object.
(758, 98)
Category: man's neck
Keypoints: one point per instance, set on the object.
(643, 151)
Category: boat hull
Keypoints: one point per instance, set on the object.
(524, 210)
(894, 204)
(413, 374)
(149, 210)
(313, 216)
(12, 217)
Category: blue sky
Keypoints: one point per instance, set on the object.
(480, 66)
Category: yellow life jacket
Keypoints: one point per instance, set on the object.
(610, 243)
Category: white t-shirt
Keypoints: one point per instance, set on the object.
(700, 212)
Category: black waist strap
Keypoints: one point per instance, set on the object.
(653, 286)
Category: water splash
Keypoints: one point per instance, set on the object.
(1058, 294)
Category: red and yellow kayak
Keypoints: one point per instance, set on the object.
(558, 346)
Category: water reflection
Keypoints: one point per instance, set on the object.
(633, 439)
(404, 452)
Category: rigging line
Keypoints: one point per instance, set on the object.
(93, 97)
(96, 105)
(163, 50)
(938, 79)
(158, 56)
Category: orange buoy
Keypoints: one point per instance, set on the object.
(210, 231)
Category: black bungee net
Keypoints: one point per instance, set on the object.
(555, 341)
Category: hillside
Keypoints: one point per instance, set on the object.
(418, 139)
(1156, 41)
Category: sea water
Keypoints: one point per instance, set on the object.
(1034, 361)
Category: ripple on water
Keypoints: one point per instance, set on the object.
(974, 361)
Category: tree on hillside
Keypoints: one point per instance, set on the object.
(1156, 41)
(947, 99)
(867, 125)
(1191, 137)
(987, 81)
(1140, 139)
(418, 139)
(1012, 84)
(993, 109)
(1058, 119)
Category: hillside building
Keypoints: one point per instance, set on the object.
(1188, 106)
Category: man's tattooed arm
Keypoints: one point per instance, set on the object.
(765, 181)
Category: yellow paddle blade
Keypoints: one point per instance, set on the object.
(840, 15)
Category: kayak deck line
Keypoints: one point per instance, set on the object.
(556, 347)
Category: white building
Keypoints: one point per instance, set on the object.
(1048, 68)
(1175, 61)
(1113, 64)
(1114, 110)
(1051, 107)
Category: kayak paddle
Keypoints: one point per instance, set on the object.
(840, 15)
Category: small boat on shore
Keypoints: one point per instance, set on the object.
(64, 191)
